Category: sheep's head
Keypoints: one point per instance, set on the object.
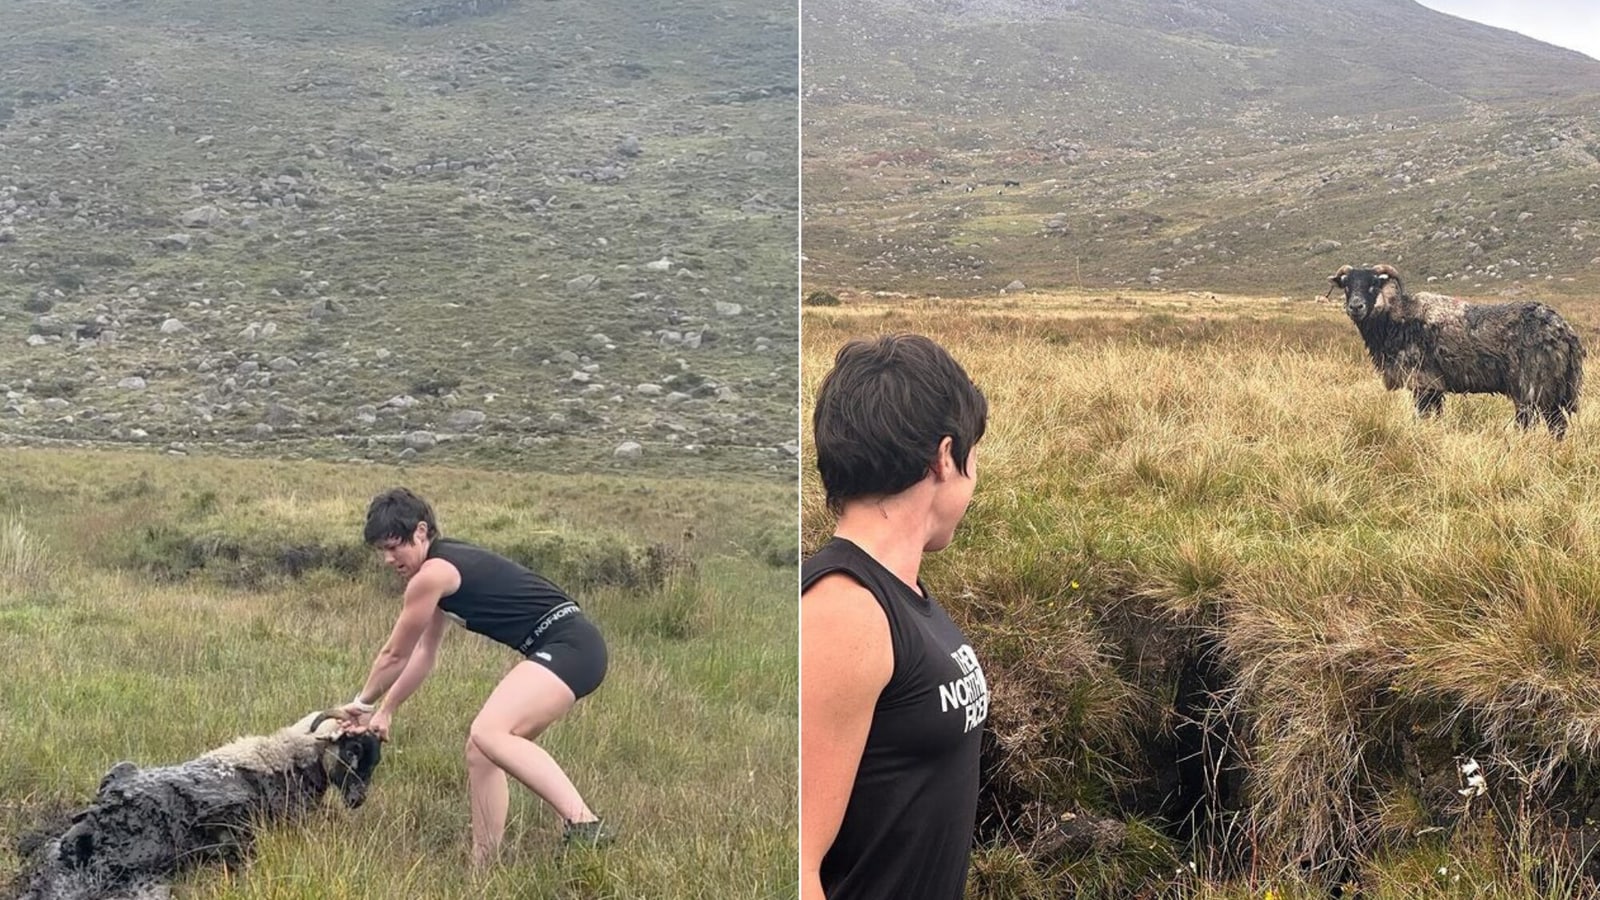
(348, 757)
(1367, 291)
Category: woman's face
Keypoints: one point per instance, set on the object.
(406, 557)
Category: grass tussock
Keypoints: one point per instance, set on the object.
(1224, 584)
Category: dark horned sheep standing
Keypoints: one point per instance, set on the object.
(1434, 345)
(145, 825)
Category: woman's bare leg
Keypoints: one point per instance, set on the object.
(524, 704)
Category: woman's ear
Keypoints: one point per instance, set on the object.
(420, 533)
(944, 463)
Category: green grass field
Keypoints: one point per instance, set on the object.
(1233, 599)
(152, 608)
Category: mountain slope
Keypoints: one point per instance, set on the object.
(515, 233)
(1246, 145)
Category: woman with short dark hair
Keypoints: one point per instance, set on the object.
(893, 699)
(564, 659)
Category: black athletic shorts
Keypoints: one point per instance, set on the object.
(574, 650)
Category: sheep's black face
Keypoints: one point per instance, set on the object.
(1365, 290)
(350, 763)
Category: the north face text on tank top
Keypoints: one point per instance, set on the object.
(968, 694)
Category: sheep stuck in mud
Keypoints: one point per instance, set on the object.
(1434, 345)
(144, 825)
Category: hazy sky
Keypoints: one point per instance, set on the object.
(1574, 24)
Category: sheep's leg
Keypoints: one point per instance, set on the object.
(1555, 418)
(1429, 403)
(1526, 416)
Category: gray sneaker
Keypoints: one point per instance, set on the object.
(588, 834)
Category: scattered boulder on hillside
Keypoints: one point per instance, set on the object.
(629, 146)
(727, 309)
(628, 450)
(178, 241)
(463, 419)
(582, 282)
(1013, 287)
(421, 440)
(132, 383)
(201, 217)
(278, 416)
(173, 326)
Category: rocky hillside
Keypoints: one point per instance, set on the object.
(557, 235)
(956, 146)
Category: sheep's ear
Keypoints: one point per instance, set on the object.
(1338, 277)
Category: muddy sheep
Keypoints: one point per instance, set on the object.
(1434, 345)
(145, 825)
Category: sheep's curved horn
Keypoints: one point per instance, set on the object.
(1336, 280)
(1386, 269)
(318, 718)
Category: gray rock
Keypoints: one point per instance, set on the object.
(132, 383)
(408, 453)
(582, 377)
(691, 341)
(401, 401)
(283, 364)
(724, 308)
(37, 340)
(201, 217)
(50, 326)
(1014, 286)
(791, 448)
(629, 146)
(247, 368)
(421, 440)
(172, 326)
(174, 242)
(628, 450)
(599, 341)
(366, 415)
(583, 282)
(8, 235)
(567, 357)
(671, 338)
(463, 419)
(676, 397)
(278, 415)
(261, 430)
(648, 390)
(55, 404)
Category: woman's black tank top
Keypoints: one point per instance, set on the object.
(499, 598)
(907, 830)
